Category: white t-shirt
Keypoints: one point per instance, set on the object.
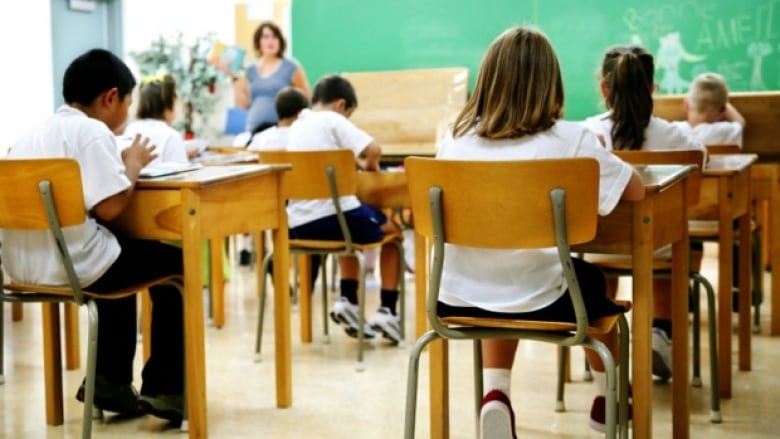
(31, 256)
(512, 281)
(717, 133)
(321, 130)
(270, 139)
(659, 134)
(171, 147)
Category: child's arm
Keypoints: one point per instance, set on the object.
(135, 157)
(732, 115)
(369, 158)
(635, 189)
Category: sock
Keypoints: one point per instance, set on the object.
(349, 290)
(388, 299)
(600, 381)
(664, 324)
(247, 242)
(497, 379)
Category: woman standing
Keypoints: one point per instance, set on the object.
(271, 72)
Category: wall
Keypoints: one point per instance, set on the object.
(739, 39)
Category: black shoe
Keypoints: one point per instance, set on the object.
(244, 257)
(170, 407)
(121, 399)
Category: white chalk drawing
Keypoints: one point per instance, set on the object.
(757, 51)
(670, 53)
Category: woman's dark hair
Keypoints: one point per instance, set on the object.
(93, 73)
(627, 73)
(156, 95)
(332, 87)
(275, 29)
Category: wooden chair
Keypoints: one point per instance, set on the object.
(615, 266)
(327, 174)
(46, 195)
(478, 204)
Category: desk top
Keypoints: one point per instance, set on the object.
(726, 164)
(207, 175)
(658, 177)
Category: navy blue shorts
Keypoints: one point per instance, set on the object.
(364, 224)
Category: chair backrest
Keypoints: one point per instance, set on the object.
(723, 149)
(671, 157)
(505, 205)
(308, 178)
(22, 205)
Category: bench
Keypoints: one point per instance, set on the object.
(406, 110)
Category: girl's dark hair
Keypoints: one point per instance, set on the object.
(93, 73)
(627, 73)
(275, 29)
(156, 95)
(332, 87)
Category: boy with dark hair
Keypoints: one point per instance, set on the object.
(97, 87)
(290, 102)
(327, 126)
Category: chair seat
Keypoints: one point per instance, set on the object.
(624, 262)
(31, 289)
(704, 229)
(600, 326)
(312, 245)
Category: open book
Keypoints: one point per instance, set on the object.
(167, 168)
(230, 55)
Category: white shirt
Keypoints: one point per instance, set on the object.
(522, 280)
(270, 139)
(659, 134)
(170, 145)
(716, 133)
(31, 256)
(322, 130)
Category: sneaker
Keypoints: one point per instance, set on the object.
(598, 414)
(347, 313)
(388, 323)
(662, 354)
(121, 399)
(170, 407)
(496, 417)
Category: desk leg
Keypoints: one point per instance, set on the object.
(439, 389)
(17, 312)
(194, 347)
(217, 281)
(725, 259)
(420, 284)
(52, 362)
(304, 295)
(642, 319)
(680, 385)
(745, 293)
(282, 340)
(72, 346)
(774, 253)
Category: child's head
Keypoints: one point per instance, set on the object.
(707, 98)
(627, 86)
(519, 90)
(100, 84)
(157, 98)
(268, 40)
(289, 103)
(334, 92)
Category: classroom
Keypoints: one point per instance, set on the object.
(396, 84)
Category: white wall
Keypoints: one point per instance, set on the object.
(26, 90)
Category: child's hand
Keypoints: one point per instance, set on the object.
(139, 153)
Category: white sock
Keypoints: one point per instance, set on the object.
(496, 379)
(600, 380)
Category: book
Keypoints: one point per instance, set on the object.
(167, 168)
(230, 55)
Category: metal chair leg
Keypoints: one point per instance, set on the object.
(89, 392)
(715, 415)
(411, 382)
(261, 307)
(563, 358)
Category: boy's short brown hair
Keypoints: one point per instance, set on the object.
(708, 93)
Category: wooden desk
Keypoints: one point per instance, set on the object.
(765, 191)
(204, 204)
(639, 228)
(657, 220)
(725, 197)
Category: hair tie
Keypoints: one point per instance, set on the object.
(149, 79)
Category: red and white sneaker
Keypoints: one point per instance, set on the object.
(496, 418)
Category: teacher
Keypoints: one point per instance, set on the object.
(257, 90)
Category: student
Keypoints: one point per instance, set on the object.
(155, 115)
(327, 126)
(290, 102)
(627, 86)
(712, 120)
(97, 88)
(515, 113)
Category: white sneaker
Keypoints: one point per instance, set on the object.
(347, 313)
(662, 354)
(388, 323)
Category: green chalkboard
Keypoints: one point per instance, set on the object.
(739, 39)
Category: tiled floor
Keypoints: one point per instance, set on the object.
(332, 400)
